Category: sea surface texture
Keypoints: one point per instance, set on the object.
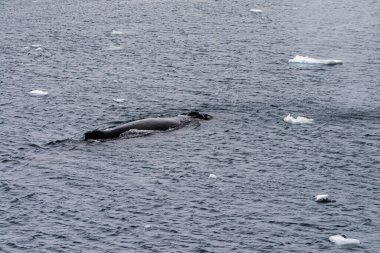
(71, 66)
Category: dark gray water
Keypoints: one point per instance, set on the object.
(59, 193)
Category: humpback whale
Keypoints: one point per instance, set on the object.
(156, 124)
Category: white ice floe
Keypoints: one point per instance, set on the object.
(298, 120)
(38, 93)
(119, 100)
(308, 60)
(322, 198)
(115, 32)
(212, 176)
(342, 240)
(114, 48)
(256, 10)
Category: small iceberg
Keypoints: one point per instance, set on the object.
(38, 93)
(212, 176)
(256, 10)
(342, 240)
(298, 120)
(323, 198)
(308, 60)
(114, 48)
(115, 32)
(119, 100)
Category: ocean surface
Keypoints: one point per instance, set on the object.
(97, 64)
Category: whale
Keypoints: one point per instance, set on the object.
(154, 124)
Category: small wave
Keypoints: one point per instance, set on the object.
(54, 142)
(35, 45)
(298, 120)
(115, 32)
(38, 93)
(256, 10)
(309, 60)
(135, 133)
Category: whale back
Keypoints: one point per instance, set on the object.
(155, 124)
(95, 134)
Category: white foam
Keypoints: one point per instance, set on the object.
(309, 60)
(119, 100)
(212, 176)
(138, 131)
(35, 45)
(322, 198)
(298, 120)
(342, 240)
(38, 93)
(147, 226)
(115, 32)
(256, 10)
(38, 49)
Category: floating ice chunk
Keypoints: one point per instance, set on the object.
(38, 93)
(322, 198)
(114, 48)
(298, 120)
(119, 100)
(212, 176)
(115, 32)
(308, 60)
(342, 240)
(256, 10)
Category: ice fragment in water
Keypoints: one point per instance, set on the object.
(298, 120)
(38, 93)
(309, 60)
(256, 10)
(322, 198)
(342, 240)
